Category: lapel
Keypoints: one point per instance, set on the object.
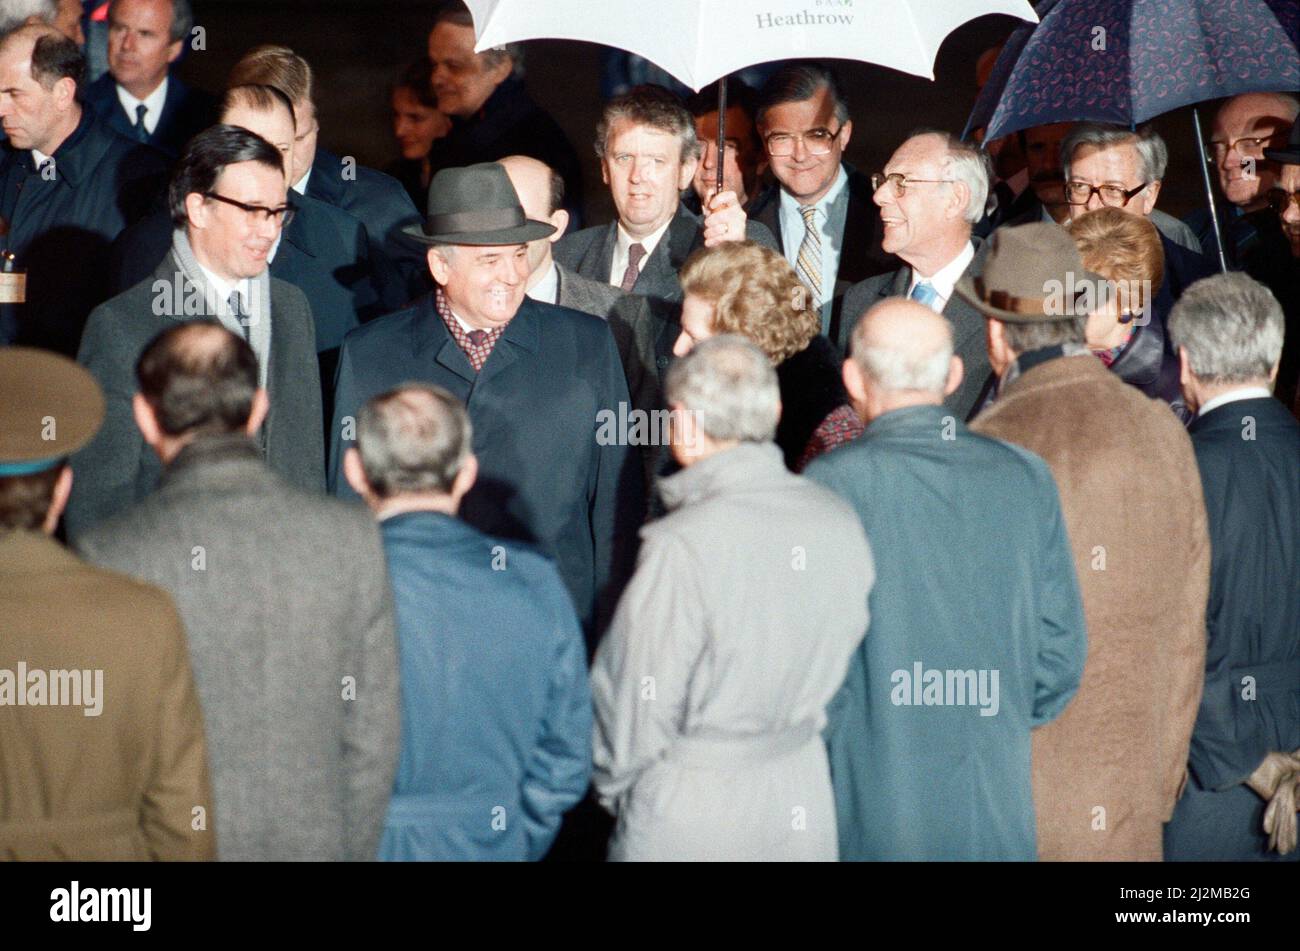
(325, 184)
(599, 258)
(521, 336)
(109, 107)
(431, 338)
(171, 111)
(659, 276)
(767, 211)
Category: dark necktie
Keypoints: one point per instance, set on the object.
(634, 256)
(236, 305)
(141, 132)
(478, 337)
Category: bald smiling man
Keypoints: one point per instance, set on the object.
(995, 644)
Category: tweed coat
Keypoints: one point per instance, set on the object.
(289, 619)
(117, 468)
(1107, 773)
(124, 783)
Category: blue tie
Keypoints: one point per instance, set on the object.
(924, 293)
(141, 132)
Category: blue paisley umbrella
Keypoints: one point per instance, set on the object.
(1127, 61)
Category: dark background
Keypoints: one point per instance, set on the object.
(358, 47)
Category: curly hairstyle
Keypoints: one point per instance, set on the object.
(754, 292)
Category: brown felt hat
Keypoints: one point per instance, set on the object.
(52, 407)
(1029, 275)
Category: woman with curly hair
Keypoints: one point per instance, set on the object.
(1123, 330)
(743, 288)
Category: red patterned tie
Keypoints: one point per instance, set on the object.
(634, 255)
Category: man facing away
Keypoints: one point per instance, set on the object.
(496, 712)
(734, 633)
(286, 604)
(108, 761)
(1103, 783)
(1240, 800)
(977, 633)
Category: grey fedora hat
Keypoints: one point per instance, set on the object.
(476, 205)
(1029, 273)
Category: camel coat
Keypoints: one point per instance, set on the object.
(1107, 773)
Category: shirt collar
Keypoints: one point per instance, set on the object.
(945, 279)
(301, 186)
(547, 290)
(223, 287)
(1232, 396)
(153, 102)
(792, 205)
(649, 242)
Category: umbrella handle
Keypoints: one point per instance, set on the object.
(722, 130)
(1209, 189)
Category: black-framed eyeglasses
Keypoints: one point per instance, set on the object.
(1113, 196)
(1279, 199)
(816, 141)
(899, 181)
(282, 215)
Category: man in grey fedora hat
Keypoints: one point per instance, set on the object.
(537, 380)
(1103, 783)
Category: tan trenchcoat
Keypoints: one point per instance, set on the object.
(1107, 773)
(130, 782)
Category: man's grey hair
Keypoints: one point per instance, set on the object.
(1153, 155)
(901, 372)
(730, 387)
(1232, 327)
(14, 13)
(654, 107)
(1026, 338)
(967, 164)
(414, 438)
(182, 18)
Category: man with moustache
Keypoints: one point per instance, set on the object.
(227, 201)
(535, 378)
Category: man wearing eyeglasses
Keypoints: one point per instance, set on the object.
(820, 207)
(930, 195)
(1244, 127)
(227, 200)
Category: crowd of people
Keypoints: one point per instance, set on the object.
(945, 512)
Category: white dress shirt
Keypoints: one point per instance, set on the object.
(829, 219)
(301, 186)
(1232, 396)
(547, 290)
(619, 265)
(259, 337)
(153, 102)
(945, 279)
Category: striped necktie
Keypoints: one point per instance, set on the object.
(809, 263)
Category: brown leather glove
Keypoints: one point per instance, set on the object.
(1277, 781)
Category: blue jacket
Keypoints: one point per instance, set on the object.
(545, 475)
(496, 710)
(974, 573)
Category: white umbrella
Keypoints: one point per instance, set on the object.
(699, 41)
